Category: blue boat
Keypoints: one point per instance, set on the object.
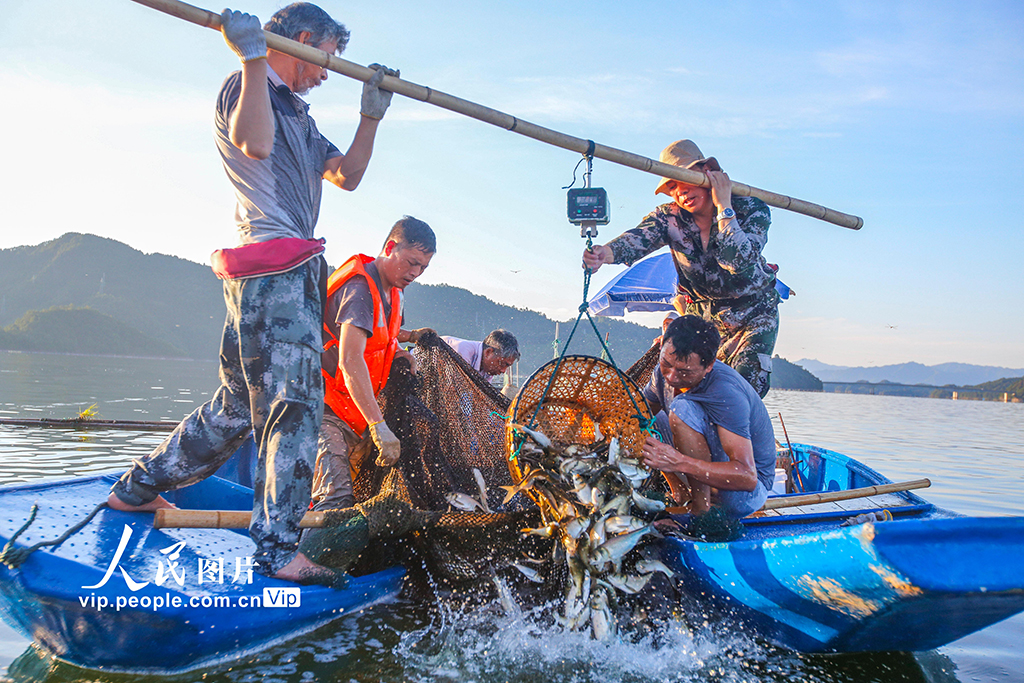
(797, 578)
(800, 579)
(121, 595)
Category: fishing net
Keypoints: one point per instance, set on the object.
(451, 421)
(641, 371)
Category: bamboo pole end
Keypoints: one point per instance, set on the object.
(160, 519)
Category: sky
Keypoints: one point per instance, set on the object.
(908, 114)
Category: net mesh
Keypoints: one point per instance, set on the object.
(641, 371)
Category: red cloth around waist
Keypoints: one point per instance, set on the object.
(264, 258)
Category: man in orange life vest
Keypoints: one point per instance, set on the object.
(363, 326)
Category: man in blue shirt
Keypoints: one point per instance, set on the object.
(722, 444)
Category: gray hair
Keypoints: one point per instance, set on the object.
(504, 344)
(297, 17)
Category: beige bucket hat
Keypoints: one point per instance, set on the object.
(684, 154)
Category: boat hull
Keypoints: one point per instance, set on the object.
(150, 612)
(915, 583)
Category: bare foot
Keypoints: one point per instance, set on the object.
(303, 570)
(158, 503)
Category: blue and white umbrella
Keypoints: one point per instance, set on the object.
(647, 285)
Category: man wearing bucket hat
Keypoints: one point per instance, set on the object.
(716, 241)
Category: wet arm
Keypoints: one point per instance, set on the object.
(251, 125)
(737, 474)
(346, 171)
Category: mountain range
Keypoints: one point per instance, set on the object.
(960, 374)
(81, 293)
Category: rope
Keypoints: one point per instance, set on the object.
(15, 557)
(584, 309)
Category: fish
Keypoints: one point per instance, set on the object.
(612, 550)
(621, 524)
(619, 504)
(463, 501)
(482, 485)
(529, 572)
(584, 492)
(613, 450)
(601, 619)
(652, 566)
(579, 465)
(554, 495)
(587, 494)
(633, 471)
(546, 531)
(567, 510)
(577, 622)
(525, 484)
(575, 526)
(647, 504)
(504, 595)
(629, 584)
(539, 438)
(597, 534)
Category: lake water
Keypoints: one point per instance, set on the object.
(973, 452)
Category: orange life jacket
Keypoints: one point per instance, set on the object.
(380, 347)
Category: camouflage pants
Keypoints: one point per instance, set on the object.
(270, 386)
(748, 336)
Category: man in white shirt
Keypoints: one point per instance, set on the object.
(490, 357)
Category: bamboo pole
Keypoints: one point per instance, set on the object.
(173, 518)
(90, 423)
(494, 117)
(776, 503)
(830, 496)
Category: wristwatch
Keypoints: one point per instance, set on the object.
(727, 214)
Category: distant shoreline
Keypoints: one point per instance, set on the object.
(108, 355)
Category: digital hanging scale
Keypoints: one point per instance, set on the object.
(587, 206)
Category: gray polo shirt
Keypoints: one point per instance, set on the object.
(278, 196)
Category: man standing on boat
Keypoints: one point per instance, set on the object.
(271, 387)
(720, 435)
(363, 327)
(716, 241)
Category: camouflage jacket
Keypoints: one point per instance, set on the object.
(732, 266)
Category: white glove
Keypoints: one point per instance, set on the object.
(387, 443)
(243, 34)
(375, 101)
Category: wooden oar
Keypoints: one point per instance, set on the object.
(828, 496)
(479, 112)
(171, 518)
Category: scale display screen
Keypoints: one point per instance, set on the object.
(588, 204)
